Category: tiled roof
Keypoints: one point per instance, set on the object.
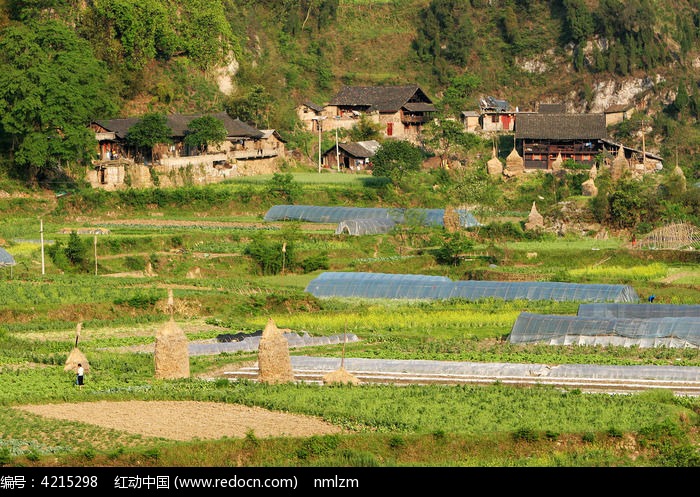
(235, 128)
(618, 108)
(560, 126)
(313, 106)
(551, 108)
(381, 98)
(360, 150)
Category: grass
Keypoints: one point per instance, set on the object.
(493, 425)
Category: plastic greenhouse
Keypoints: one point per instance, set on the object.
(318, 214)
(364, 226)
(641, 311)
(6, 258)
(412, 286)
(576, 330)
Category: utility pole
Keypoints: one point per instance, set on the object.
(337, 153)
(642, 125)
(41, 231)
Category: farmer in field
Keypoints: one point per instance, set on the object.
(80, 377)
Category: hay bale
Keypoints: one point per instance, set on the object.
(274, 364)
(74, 358)
(535, 219)
(515, 165)
(494, 166)
(450, 219)
(340, 376)
(172, 356)
(588, 188)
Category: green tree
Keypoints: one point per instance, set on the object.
(51, 88)
(460, 94)
(682, 100)
(578, 20)
(253, 107)
(364, 130)
(204, 131)
(151, 130)
(396, 157)
(454, 246)
(443, 135)
(445, 33)
(271, 256)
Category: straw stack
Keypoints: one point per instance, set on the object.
(274, 363)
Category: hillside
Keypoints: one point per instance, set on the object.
(261, 59)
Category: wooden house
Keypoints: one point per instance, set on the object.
(401, 111)
(245, 150)
(541, 137)
(352, 156)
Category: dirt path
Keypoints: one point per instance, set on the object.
(185, 420)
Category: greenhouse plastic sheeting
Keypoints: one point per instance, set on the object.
(6, 258)
(563, 330)
(507, 370)
(412, 286)
(365, 226)
(320, 214)
(638, 310)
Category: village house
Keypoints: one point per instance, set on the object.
(616, 114)
(496, 115)
(401, 111)
(543, 138)
(245, 151)
(352, 156)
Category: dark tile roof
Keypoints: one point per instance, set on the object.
(560, 126)
(551, 108)
(360, 150)
(618, 108)
(314, 106)
(178, 123)
(381, 98)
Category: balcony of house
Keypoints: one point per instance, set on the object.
(414, 118)
(251, 154)
(192, 160)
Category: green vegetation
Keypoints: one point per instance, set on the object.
(244, 278)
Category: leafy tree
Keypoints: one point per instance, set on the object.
(51, 88)
(283, 186)
(443, 135)
(271, 256)
(459, 95)
(76, 251)
(682, 100)
(253, 107)
(578, 20)
(204, 131)
(454, 246)
(365, 130)
(151, 130)
(396, 157)
(445, 33)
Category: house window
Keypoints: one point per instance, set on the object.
(389, 129)
(494, 118)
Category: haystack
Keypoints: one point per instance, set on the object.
(588, 188)
(558, 162)
(450, 219)
(274, 364)
(619, 165)
(340, 376)
(76, 356)
(535, 219)
(172, 356)
(494, 166)
(515, 165)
